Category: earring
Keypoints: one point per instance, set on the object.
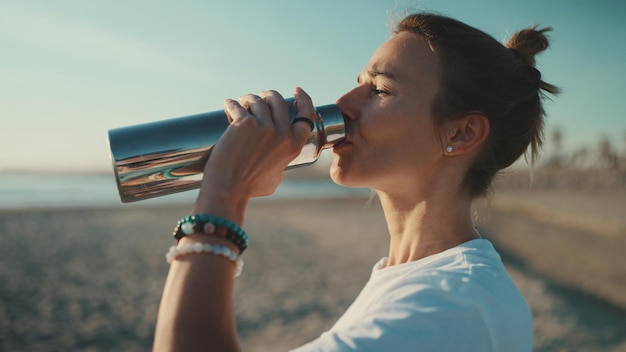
(449, 149)
(451, 132)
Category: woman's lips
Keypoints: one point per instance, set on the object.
(341, 144)
(341, 140)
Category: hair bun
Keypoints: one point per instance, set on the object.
(529, 42)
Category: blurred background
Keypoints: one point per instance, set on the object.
(71, 70)
(80, 271)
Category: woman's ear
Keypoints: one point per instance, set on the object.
(464, 135)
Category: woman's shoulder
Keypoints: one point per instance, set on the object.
(470, 276)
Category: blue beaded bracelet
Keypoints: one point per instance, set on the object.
(203, 223)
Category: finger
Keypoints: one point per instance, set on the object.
(234, 110)
(278, 109)
(304, 110)
(257, 107)
(306, 120)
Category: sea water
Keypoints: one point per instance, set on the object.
(40, 190)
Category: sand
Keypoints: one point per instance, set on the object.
(91, 279)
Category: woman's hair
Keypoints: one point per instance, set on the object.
(500, 81)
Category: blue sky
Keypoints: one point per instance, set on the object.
(71, 70)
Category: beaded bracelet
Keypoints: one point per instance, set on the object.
(203, 223)
(215, 249)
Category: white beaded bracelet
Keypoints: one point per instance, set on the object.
(215, 249)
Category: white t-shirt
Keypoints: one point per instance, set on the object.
(461, 299)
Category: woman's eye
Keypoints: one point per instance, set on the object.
(379, 91)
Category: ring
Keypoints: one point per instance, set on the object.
(304, 119)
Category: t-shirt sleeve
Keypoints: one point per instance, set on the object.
(435, 324)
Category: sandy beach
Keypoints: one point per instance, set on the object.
(91, 279)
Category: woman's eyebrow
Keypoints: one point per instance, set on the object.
(386, 74)
(375, 73)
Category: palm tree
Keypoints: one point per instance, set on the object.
(556, 158)
(608, 157)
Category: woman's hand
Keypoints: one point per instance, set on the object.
(250, 157)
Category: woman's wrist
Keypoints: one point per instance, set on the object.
(211, 225)
(227, 205)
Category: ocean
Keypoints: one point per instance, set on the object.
(39, 190)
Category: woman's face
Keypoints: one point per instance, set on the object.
(390, 139)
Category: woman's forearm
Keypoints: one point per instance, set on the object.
(196, 310)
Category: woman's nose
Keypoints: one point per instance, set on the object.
(349, 103)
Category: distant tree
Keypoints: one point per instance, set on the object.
(622, 155)
(608, 158)
(556, 156)
(581, 158)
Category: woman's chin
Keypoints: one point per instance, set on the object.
(336, 174)
(342, 176)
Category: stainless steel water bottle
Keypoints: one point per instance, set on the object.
(168, 156)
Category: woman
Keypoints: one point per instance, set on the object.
(439, 109)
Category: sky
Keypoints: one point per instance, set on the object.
(71, 70)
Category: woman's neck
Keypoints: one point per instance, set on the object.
(424, 226)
